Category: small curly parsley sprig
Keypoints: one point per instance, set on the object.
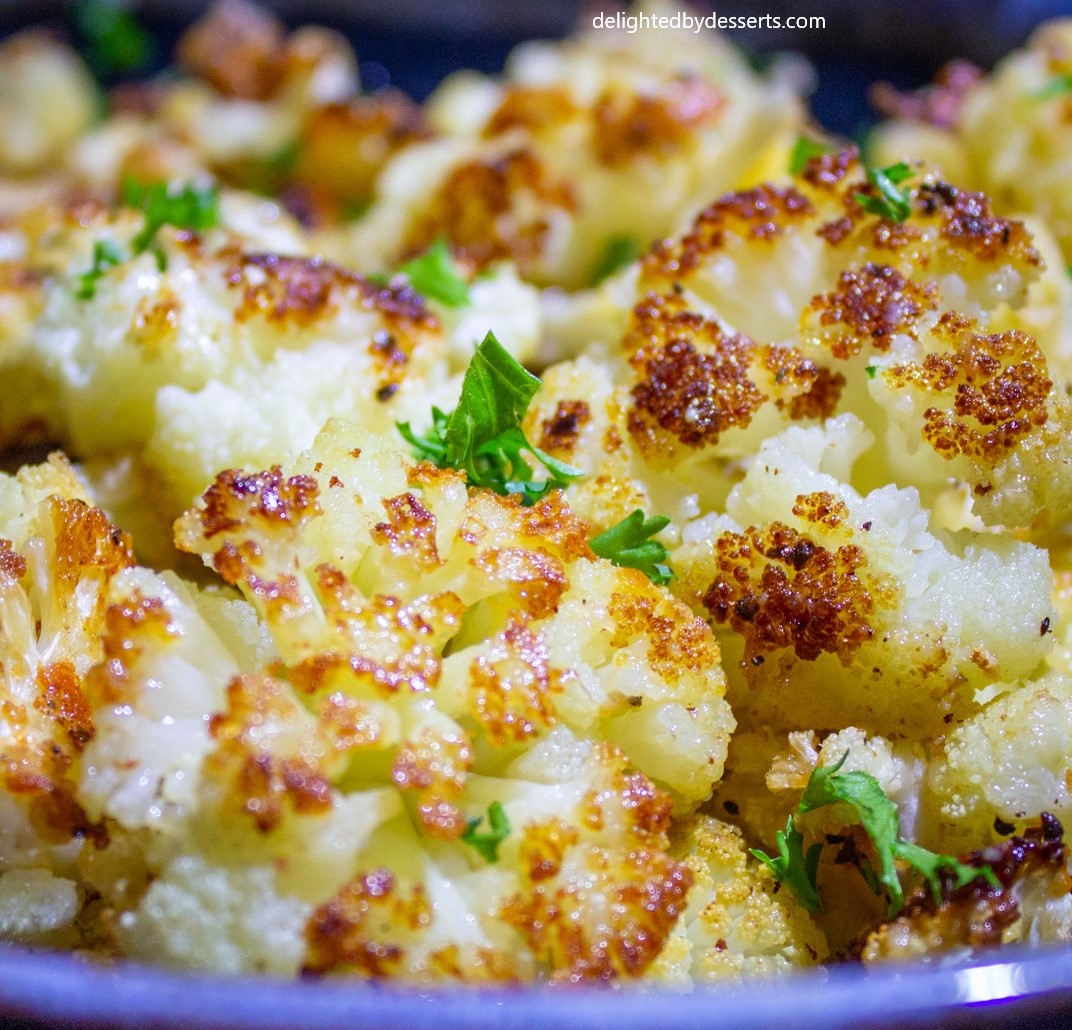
(1058, 86)
(804, 149)
(482, 436)
(189, 206)
(486, 843)
(892, 203)
(432, 274)
(877, 815)
(106, 254)
(629, 544)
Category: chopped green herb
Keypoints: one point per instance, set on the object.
(620, 251)
(878, 816)
(629, 545)
(433, 275)
(115, 44)
(797, 870)
(483, 435)
(486, 844)
(1058, 86)
(872, 371)
(106, 254)
(892, 203)
(354, 210)
(804, 150)
(187, 207)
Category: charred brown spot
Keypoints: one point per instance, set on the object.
(762, 213)
(361, 928)
(493, 210)
(86, 543)
(694, 395)
(869, 307)
(62, 701)
(533, 108)
(410, 530)
(12, 564)
(796, 593)
(560, 431)
(266, 496)
(990, 391)
(512, 685)
(629, 125)
(434, 767)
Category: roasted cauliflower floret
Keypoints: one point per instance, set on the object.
(838, 607)
(470, 659)
(205, 351)
(1006, 764)
(586, 150)
(57, 557)
(787, 305)
(1007, 133)
(738, 921)
(47, 98)
(1031, 904)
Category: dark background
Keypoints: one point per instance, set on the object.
(413, 43)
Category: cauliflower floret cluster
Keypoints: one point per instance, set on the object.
(585, 152)
(844, 607)
(787, 305)
(1007, 133)
(460, 761)
(738, 922)
(211, 349)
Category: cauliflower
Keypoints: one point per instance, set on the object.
(587, 150)
(47, 98)
(1032, 904)
(894, 321)
(1006, 133)
(738, 922)
(208, 352)
(447, 657)
(1006, 764)
(841, 608)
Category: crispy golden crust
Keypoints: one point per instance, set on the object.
(629, 125)
(480, 210)
(778, 588)
(993, 387)
(870, 306)
(261, 781)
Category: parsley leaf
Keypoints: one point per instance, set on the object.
(483, 436)
(627, 544)
(106, 254)
(486, 844)
(433, 275)
(803, 151)
(115, 44)
(619, 251)
(877, 814)
(892, 203)
(872, 371)
(797, 870)
(188, 207)
(1058, 86)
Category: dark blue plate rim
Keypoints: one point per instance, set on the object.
(50, 989)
